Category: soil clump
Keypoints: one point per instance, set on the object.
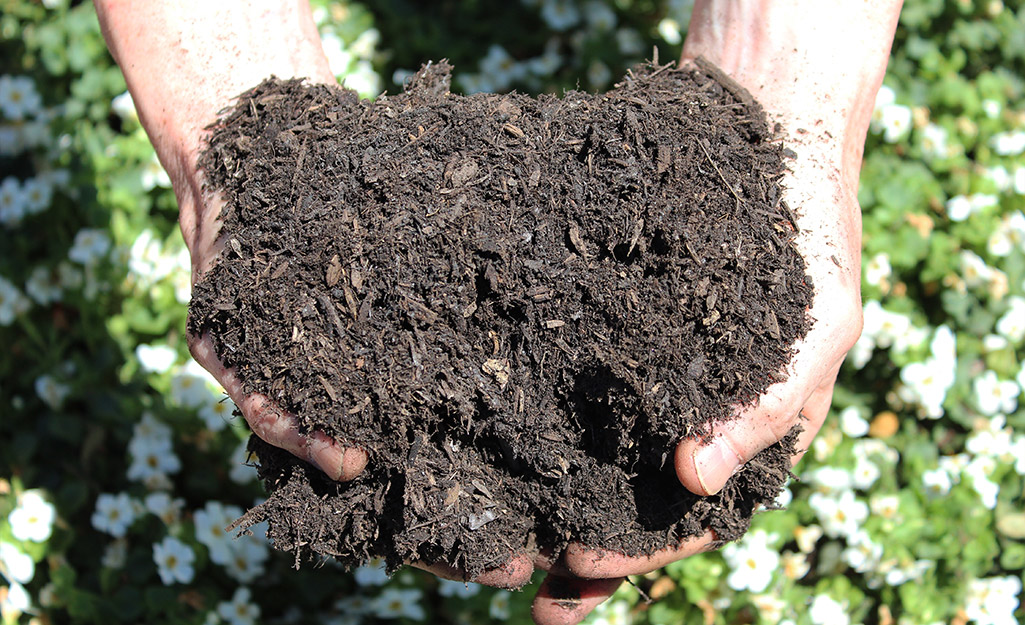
(516, 305)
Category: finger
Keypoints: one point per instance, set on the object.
(278, 427)
(548, 562)
(512, 575)
(815, 411)
(704, 466)
(567, 600)
(590, 563)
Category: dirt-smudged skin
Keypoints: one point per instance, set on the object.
(516, 305)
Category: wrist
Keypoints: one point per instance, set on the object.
(185, 61)
(814, 66)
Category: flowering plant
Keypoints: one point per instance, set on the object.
(121, 462)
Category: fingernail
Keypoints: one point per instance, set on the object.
(715, 463)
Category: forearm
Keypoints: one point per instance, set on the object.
(185, 60)
(813, 64)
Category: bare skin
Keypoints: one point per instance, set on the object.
(814, 65)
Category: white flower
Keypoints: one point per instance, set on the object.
(12, 141)
(807, 537)
(452, 588)
(501, 68)
(216, 413)
(363, 79)
(240, 610)
(12, 302)
(884, 97)
(885, 506)
(156, 358)
(927, 383)
(52, 392)
(69, 276)
(91, 244)
(993, 601)
(365, 45)
(1000, 177)
(13, 203)
(42, 286)
(399, 603)
(1017, 453)
(1012, 323)
(600, 16)
(1009, 235)
(825, 610)
(152, 460)
(934, 141)
(840, 516)
(242, 470)
(978, 472)
(910, 571)
(896, 121)
(862, 351)
(38, 192)
(32, 519)
(15, 601)
(974, 269)
(887, 328)
(114, 514)
(629, 42)
(150, 431)
(174, 561)
(862, 553)
(613, 612)
(189, 386)
(865, 474)
(167, 508)
(852, 423)
(994, 396)
(878, 270)
(795, 565)
(499, 608)
(338, 58)
(1008, 143)
(154, 175)
(991, 437)
(115, 555)
(753, 562)
(373, 573)
(829, 479)
(548, 62)
(991, 108)
(784, 498)
(476, 83)
(560, 14)
(1019, 180)
(961, 207)
(210, 523)
(670, 30)
(937, 482)
(18, 97)
(15, 565)
(248, 556)
(124, 107)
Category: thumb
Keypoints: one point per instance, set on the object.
(704, 465)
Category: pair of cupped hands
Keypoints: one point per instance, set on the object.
(186, 61)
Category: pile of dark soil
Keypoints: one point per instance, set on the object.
(517, 306)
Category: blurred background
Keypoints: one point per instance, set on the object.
(121, 462)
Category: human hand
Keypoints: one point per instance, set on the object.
(817, 81)
(184, 62)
